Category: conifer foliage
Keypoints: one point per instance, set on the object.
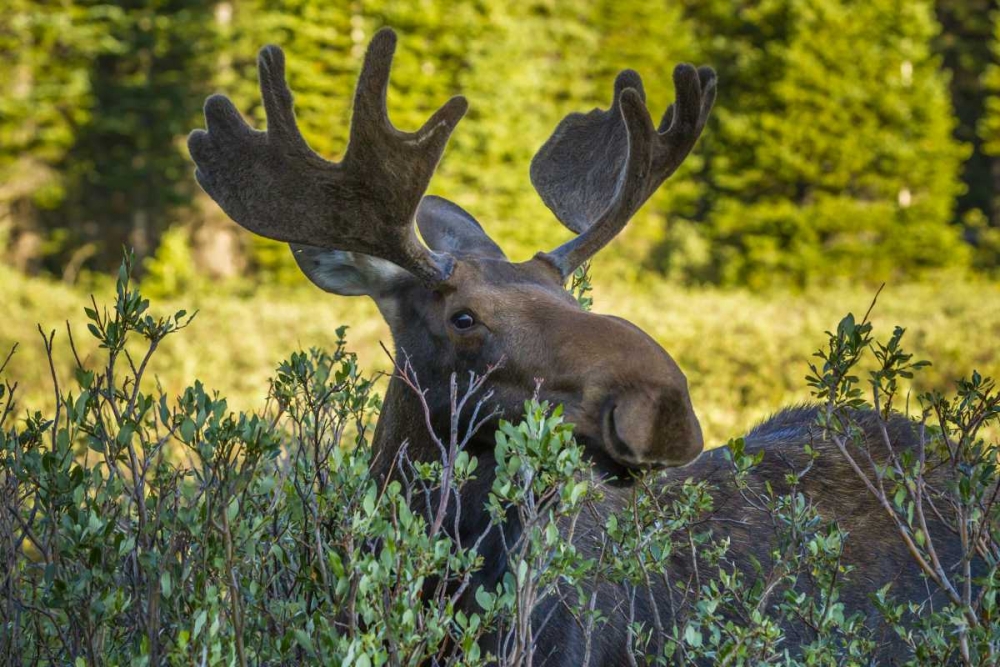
(832, 152)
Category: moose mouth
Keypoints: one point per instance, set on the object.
(607, 468)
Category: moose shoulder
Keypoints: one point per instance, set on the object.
(455, 304)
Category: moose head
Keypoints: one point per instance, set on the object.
(453, 301)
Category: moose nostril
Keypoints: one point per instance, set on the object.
(651, 429)
(612, 436)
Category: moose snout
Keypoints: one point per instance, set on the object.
(631, 401)
(651, 428)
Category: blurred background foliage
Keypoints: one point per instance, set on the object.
(851, 137)
(854, 141)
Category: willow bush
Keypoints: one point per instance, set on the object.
(143, 529)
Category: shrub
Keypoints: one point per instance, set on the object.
(951, 477)
(140, 529)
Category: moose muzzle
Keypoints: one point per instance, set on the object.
(633, 402)
(651, 428)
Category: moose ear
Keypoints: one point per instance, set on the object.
(448, 228)
(347, 273)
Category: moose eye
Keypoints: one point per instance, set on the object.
(463, 320)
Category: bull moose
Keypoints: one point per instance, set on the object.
(454, 304)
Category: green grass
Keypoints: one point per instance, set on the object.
(744, 354)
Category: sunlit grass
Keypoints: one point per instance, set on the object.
(744, 354)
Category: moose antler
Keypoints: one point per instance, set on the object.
(597, 169)
(274, 185)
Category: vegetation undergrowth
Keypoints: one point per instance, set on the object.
(142, 528)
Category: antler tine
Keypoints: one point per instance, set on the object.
(274, 185)
(597, 169)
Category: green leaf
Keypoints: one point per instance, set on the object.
(485, 599)
(84, 377)
(693, 636)
(95, 444)
(125, 435)
(187, 430)
(199, 623)
(233, 510)
(305, 641)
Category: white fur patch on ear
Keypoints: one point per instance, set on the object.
(379, 273)
(346, 273)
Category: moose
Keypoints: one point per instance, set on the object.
(455, 304)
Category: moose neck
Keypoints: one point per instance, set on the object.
(405, 415)
(403, 422)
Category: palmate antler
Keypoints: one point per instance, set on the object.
(274, 185)
(597, 169)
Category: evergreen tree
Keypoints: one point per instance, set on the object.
(652, 39)
(832, 151)
(44, 53)
(538, 61)
(323, 52)
(966, 45)
(986, 236)
(528, 71)
(127, 171)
